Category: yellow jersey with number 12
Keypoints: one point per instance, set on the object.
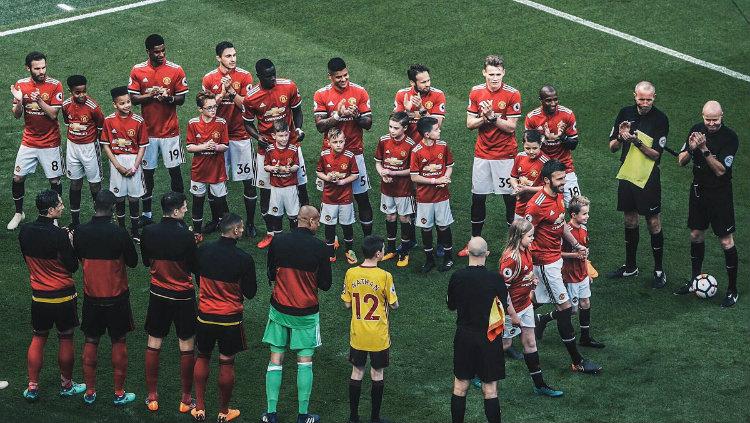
(370, 291)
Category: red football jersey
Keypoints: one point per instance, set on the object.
(531, 169)
(434, 102)
(574, 270)
(287, 156)
(242, 82)
(536, 119)
(547, 214)
(431, 162)
(492, 143)
(343, 163)
(161, 118)
(327, 100)
(124, 135)
(83, 120)
(519, 287)
(208, 166)
(268, 106)
(39, 131)
(395, 155)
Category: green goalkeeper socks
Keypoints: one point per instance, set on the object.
(273, 386)
(304, 385)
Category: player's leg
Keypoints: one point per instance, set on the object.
(150, 158)
(75, 172)
(358, 359)
(407, 239)
(175, 176)
(90, 352)
(425, 221)
(134, 209)
(351, 256)
(187, 365)
(391, 228)
(304, 385)
(627, 203)
(226, 386)
(199, 199)
(458, 399)
(531, 358)
(378, 362)
(66, 320)
(34, 360)
(250, 196)
(153, 348)
(277, 338)
(584, 317)
(292, 206)
(205, 340)
(219, 191)
(18, 190)
(731, 262)
(443, 221)
(491, 402)
(330, 238)
(302, 195)
(120, 211)
(76, 185)
(119, 321)
(171, 154)
(364, 209)
(657, 249)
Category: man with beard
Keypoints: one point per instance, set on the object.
(421, 99)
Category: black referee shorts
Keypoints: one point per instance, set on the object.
(474, 355)
(646, 201)
(230, 338)
(62, 315)
(711, 206)
(378, 359)
(162, 312)
(115, 318)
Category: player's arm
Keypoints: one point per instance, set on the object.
(349, 179)
(323, 122)
(571, 239)
(394, 305)
(364, 121)
(297, 119)
(271, 265)
(145, 258)
(683, 158)
(649, 152)
(65, 252)
(139, 157)
(450, 299)
(506, 125)
(514, 319)
(324, 275)
(474, 121)
(419, 179)
(17, 108)
(141, 98)
(112, 159)
(249, 283)
(620, 133)
(128, 250)
(50, 111)
(322, 176)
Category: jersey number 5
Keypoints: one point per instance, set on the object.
(358, 306)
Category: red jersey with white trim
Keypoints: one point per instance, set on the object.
(520, 286)
(329, 98)
(124, 135)
(395, 155)
(547, 214)
(434, 102)
(536, 119)
(83, 120)
(431, 161)
(345, 165)
(268, 106)
(161, 118)
(242, 82)
(287, 156)
(492, 143)
(575, 270)
(208, 166)
(531, 171)
(39, 130)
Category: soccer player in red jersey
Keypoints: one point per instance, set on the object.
(231, 83)
(38, 99)
(527, 168)
(345, 105)
(494, 109)
(431, 168)
(282, 163)
(396, 189)
(546, 212)
(558, 126)
(338, 168)
(124, 140)
(207, 139)
(421, 99)
(84, 119)
(159, 86)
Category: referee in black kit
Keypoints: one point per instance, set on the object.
(711, 146)
(634, 124)
(472, 292)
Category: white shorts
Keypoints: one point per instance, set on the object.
(83, 160)
(330, 214)
(131, 186)
(262, 178)
(403, 206)
(359, 185)
(50, 159)
(431, 214)
(551, 289)
(527, 321)
(491, 176)
(578, 290)
(284, 200)
(571, 187)
(170, 150)
(240, 160)
(199, 188)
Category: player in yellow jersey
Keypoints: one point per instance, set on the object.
(369, 292)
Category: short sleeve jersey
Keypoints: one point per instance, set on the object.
(395, 155)
(370, 290)
(433, 102)
(575, 270)
(268, 106)
(654, 124)
(723, 145)
(208, 166)
(492, 143)
(329, 99)
(83, 120)
(547, 214)
(39, 130)
(242, 82)
(431, 162)
(528, 171)
(518, 280)
(287, 156)
(345, 165)
(124, 135)
(161, 118)
(536, 119)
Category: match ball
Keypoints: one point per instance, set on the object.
(704, 286)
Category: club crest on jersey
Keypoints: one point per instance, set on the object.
(236, 85)
(84, 119)
(501, 105)
(344, 166)
(403, 154)
(261, 183)
(195, 188)
(384, 207)
(166, 80)
(533, 174)
(116, 190)
(216, 135)
(328, 218)
(45, 96)
(131, 132)
(562, 296)
(440, 155)
(428, 105)
(424, 221)
(352, 101)
(275, 209)
(18, 168)
(283, 98)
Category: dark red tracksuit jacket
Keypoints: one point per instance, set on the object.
(168, 249)
(50, 258)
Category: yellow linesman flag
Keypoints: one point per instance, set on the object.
(637, 166)
(497, 320)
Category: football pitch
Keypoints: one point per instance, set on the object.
(667, 358)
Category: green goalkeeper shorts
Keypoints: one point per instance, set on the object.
(293, 332)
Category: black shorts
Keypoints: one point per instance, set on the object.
(714, 206)
(163, 311)
(231, 338)
(474, 355)
(378, 359)
(62, 315)
(115, 318)
(646, 201)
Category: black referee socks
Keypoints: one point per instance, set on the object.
(657, 248)
(631, 247)
(492, 410)
(458, 408)
(697, 251)
(730, 257)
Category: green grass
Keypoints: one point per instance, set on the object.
(667, 358)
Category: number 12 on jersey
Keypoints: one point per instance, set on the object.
(359, 302)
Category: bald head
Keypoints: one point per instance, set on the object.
(645, 87)
(309, 218)
(712, 115)
(712, 107)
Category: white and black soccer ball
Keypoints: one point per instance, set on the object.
(704, 286)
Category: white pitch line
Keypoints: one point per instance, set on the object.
(78, 17)
(66, 7)
(636, 40)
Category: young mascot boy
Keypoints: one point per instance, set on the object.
(282, 163)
